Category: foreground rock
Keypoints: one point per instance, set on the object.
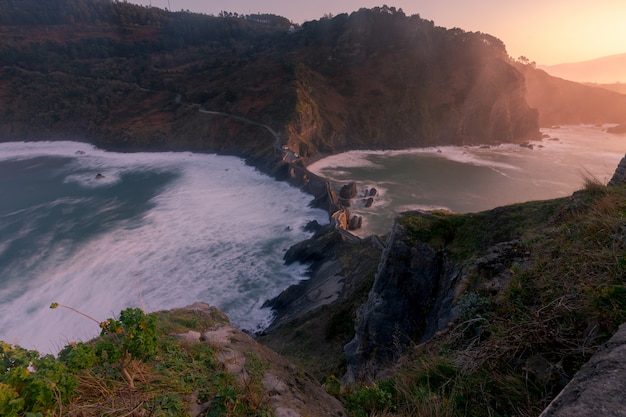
(290, 392)
(411, 299)
(315, 318)
(325, 253)
(599, 388)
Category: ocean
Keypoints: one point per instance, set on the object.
(101, 231)
(471, 179)
(163, 230)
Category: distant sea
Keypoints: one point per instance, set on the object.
(471, 179)
(156, 230)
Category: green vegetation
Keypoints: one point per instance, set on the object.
(135, 367)
(126, 76)
(512, 349)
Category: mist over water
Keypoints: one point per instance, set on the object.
(471, 179)
(160, 230)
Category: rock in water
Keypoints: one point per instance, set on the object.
(355, 223)
(348, 191)
(99, 176)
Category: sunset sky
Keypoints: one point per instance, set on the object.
(546, 31)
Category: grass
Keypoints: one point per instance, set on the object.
(512, 350)
(179, 375)
(509, 352)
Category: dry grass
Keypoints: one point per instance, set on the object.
(512, 355)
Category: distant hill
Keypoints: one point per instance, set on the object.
(561, 101)
(136, 77)
(605, 70)
(617, 87)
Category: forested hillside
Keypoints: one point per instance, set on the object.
(129, 76)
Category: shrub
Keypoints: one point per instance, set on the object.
(132, 337)
(30, 383)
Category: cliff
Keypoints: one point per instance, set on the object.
(559, 101)
(483, 313)
(131, 77)
(182, 362)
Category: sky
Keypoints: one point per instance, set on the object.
(545, 31)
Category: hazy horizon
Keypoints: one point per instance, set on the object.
(548, 33)
(604, 70)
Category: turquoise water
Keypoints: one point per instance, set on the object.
(471, 179)
(159, 230)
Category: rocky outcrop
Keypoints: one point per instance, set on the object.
(598, 388)
(619, 176)
(348, 191)
(289, 391)
(314, 319)
(411, 300)
(355, 222)
(325, 286)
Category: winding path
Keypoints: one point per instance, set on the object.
(246, 120)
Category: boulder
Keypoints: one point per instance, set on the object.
(355, 223)
(598, 388)
(288, 390)
(367, 202)
(348, 191)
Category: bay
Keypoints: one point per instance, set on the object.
(101, 231)
(471, 179)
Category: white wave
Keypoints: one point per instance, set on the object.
(216, 233)
(350, 159)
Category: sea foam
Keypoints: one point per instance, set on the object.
(160, 230)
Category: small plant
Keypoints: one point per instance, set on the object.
(78, 356)
(367, 399)
(122, 342)
(332, 385)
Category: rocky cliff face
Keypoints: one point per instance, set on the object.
(410, 300)
(598, 388)
(379, 79)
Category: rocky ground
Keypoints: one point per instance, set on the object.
(599, 388)
(290, 391)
